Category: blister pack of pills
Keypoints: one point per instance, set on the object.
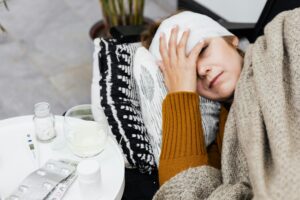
(45, 182)
(60, 190)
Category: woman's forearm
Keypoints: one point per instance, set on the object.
(183, 144)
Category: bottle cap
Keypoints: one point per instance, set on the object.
(88, 171)
(42, 109)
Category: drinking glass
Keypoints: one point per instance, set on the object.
(84, 136)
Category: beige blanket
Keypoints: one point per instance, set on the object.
(261, 147)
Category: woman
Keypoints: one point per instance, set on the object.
(211, 69)
(260, 148)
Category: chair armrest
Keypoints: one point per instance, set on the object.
(239, 29)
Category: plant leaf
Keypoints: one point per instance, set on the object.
(113, 15)
(130, 6)
(141, 18)
(2, 28)
(122, 11)
(5, 4)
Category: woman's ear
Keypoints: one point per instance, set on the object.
(235, 41)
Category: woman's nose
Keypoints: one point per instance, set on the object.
(203, 71)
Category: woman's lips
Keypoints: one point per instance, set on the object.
(211, 84)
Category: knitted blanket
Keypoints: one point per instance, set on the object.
(261, 146)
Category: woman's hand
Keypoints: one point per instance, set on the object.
(179, 69)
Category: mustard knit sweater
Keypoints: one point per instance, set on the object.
(183, 143)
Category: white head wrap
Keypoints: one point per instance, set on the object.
(200, 26)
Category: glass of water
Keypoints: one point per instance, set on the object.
(84, 136)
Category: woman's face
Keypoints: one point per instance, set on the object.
(218, 69)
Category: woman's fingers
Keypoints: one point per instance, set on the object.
(172, 46)
(181, 47)
(161, 66)
(163, 69)
(173, 53)
(163, 49)
(195, 51)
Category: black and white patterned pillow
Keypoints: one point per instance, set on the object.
(118, 98)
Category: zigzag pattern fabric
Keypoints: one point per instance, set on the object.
(118, 97)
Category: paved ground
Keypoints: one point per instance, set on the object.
(47, 53)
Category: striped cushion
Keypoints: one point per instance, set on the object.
(118, 98)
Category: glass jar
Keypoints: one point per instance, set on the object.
(44, 122)
(85, 137)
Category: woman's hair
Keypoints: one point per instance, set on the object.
(229, 39)
(148, 34)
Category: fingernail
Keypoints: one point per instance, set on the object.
(161, 34)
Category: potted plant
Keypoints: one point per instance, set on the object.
(119, 13)
(122, 12)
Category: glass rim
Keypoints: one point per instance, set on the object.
(82, 106)
(42, 103)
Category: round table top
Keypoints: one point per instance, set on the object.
(16, 160)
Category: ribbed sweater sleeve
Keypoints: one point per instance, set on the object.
(183, 143)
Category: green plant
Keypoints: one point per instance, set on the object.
(5, 5)
(123, 12)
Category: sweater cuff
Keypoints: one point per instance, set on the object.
(182, 129)
(169, 168)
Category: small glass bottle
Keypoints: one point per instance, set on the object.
(44, 122)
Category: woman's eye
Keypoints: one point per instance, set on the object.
(203, 49)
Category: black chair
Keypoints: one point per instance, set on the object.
(249, 30)
(140, 186)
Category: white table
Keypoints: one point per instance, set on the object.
(16, 159)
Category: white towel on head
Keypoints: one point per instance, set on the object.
(200, 26)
